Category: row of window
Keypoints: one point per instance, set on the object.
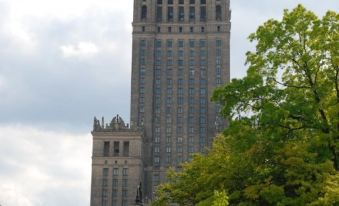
(181, 43)
(114, 197)
(142, 76)
(116, 149)
(181, 29)
(115, 183)
(179, 129)
(181, 2)
(181, 13)
(179, 148)
(116, 172)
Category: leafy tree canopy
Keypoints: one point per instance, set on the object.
(282, 145)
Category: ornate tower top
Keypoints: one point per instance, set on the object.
(117, 124)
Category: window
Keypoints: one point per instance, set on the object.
(191, 44)
(168, 159)
(159, 13)
(169, 44)
(159, 1)
(115, 183)
(192, 1)
(125, 171)
(126, 149)
(202, 1)
(181, 1)
(180, 91)
(191, 91)
(104, 182)
(116, 148)
(156, 149)
(181, 14)
(191, 130)
(202, 91)
(203, 13)
(180, 100)
(124, 194)
(156, 179)
(168, 139)
(180, 82)
(180, 29)
(159, 29)
(191, 110)
(181, 43)
(143, 12)
(179, 149)
(115, 171)
(202, 29)
(218, 13)
(180, 53)
(191, 101)
(202, 43)
(156, 160)
(218, 53)
(114, 192)
(202, 110)
(142, 43)
(106, 149)
(192, 13)
(125, 182)
(218, 43)
(168, 130)
(170, 14)
(218, 28)
(105, 172)
(202, 101)
(169, 52)
(158, 44)
(170, 2)
(105, 194)
(168, 149)
(179, 159)
(157, 139)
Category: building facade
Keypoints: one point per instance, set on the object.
(117, 166)
(181, 53)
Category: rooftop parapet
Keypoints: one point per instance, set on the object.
(117, 124)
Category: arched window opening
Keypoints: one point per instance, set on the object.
(218, 13)
(143, 12)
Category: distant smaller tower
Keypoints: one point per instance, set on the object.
(117, 167)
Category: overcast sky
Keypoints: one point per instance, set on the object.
(61, 63)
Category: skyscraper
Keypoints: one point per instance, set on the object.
(181, 53)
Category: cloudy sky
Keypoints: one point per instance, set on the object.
(61, 63)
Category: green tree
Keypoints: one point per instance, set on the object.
(282, 145)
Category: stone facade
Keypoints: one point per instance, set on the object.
(117, 167)
(181, 53)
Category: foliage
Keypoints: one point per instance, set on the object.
(282, 144)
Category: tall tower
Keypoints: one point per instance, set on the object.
(181, 53)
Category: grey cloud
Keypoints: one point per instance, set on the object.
(47, 88)
(248, 15)
(43, 168)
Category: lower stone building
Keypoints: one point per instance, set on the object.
(117, 167)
